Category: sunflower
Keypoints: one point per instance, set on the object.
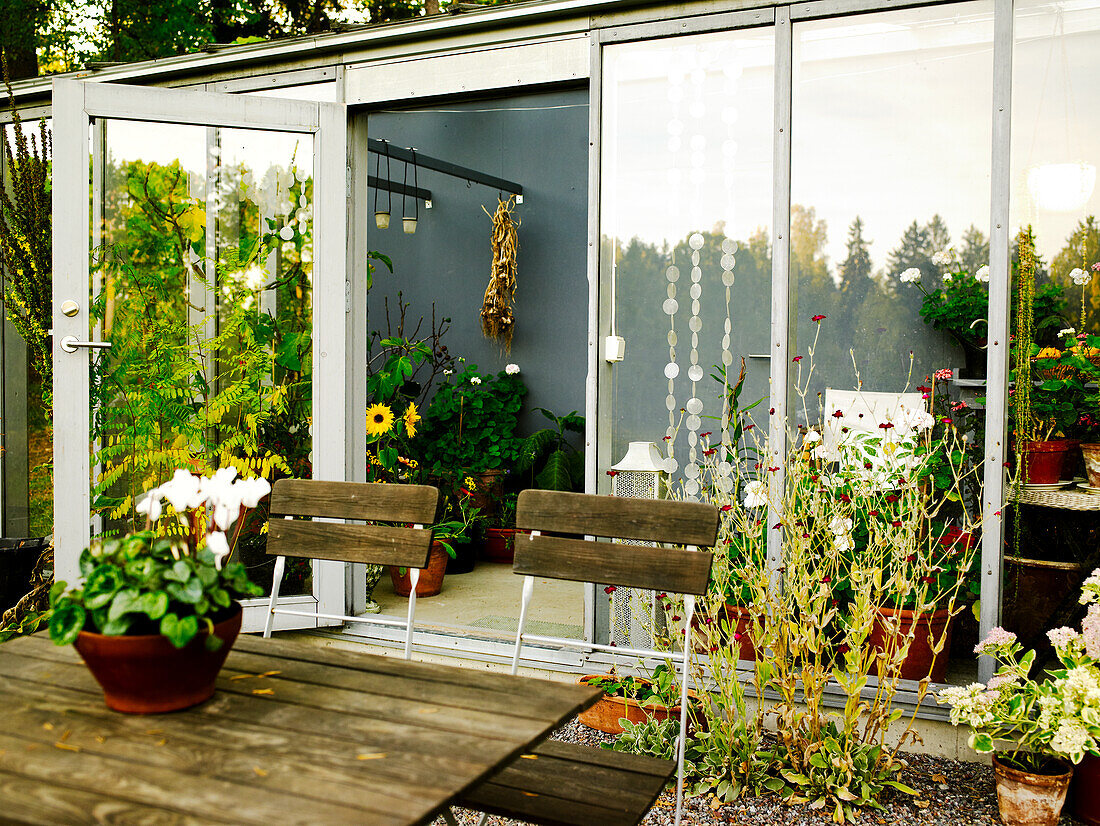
(411, 417)
(379, 419)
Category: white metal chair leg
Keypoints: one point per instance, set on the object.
(689, 612)
(276, 581)
(525, 600)
(414, 579)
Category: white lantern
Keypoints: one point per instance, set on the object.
(635, 612)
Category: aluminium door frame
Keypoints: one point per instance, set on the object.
(74, 106)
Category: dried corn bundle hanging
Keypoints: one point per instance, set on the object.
(497, 321)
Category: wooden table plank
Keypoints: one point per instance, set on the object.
(26, 800)
(315, 738)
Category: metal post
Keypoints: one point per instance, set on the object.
(993, 496)
(781, 288)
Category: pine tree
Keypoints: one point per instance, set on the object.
(975, 249)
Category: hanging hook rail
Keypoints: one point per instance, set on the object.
(446, 167)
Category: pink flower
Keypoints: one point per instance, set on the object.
(797, 359)
(944, 374)
(997, 637)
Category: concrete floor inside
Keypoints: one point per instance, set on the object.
(485, 602)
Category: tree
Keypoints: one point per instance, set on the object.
(1082, 250)
(855, 271)
(975, 249)
(914, 250)
(938, 236)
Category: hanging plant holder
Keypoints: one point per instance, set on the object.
(497, 319)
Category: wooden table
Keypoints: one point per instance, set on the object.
(295, 734)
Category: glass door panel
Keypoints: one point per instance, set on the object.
(202, 284)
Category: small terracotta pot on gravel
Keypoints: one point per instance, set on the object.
(1029, 799)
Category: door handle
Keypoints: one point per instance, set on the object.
(70, 343)
(759, 355)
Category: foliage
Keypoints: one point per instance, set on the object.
(553, 461)
(471, 423)
(174, 388)
(659, 689)
(26, 242)
(1055, 714)
(859, 530)
(402, 364)
(651, 737)
(174, 585)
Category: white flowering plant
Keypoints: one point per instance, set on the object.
(171, 578)
(1030, 719)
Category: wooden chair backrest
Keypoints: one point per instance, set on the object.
(400, 545)
(635, 566)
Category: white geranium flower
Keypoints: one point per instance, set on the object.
(910, 276)
(983, 273)
(1079, 276)
(511, 369)
(948, 278)
(218, 545)
(756, 495)
(475, 380)
(944, 258)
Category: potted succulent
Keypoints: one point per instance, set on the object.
(157, 611)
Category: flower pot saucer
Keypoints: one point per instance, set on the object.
(1089, 489)
(1049, 486)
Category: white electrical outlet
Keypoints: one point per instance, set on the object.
(614, 348)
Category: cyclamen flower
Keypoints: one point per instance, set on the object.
(1079, 276)
(910, 276)
(511, 369)
(218, 545)
(983, 273)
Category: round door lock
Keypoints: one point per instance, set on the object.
(69, 308)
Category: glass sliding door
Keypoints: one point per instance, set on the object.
(685, 260)
(198, 304)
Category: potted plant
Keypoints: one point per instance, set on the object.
(500, 531)
(470, 427)
(1036, 727)
(635, 699)
(157, 611)
(452, 530)
(552, 460)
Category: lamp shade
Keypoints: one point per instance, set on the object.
(641, 457)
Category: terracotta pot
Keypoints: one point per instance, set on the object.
(735, 620)
(500, 544)
(1070, 461)
(1027, 799)
(1043, 461)
(431, 578)
(146, 674)
(1085, 791)
(918, 662)
(1091, 452)
(486, 495)
(604, 715)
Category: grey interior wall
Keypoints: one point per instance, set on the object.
(541, 142)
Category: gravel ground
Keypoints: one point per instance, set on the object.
(951, 793)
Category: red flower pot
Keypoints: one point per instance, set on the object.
(929, 628)
(1044, 461)
(605, 714)
(146, 674)
(431, 578)
(500, 544)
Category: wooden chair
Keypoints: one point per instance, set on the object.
(371, 543)
(561, 783)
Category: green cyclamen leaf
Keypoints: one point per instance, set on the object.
(102, 584)
(66, 623)
(124, 603)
